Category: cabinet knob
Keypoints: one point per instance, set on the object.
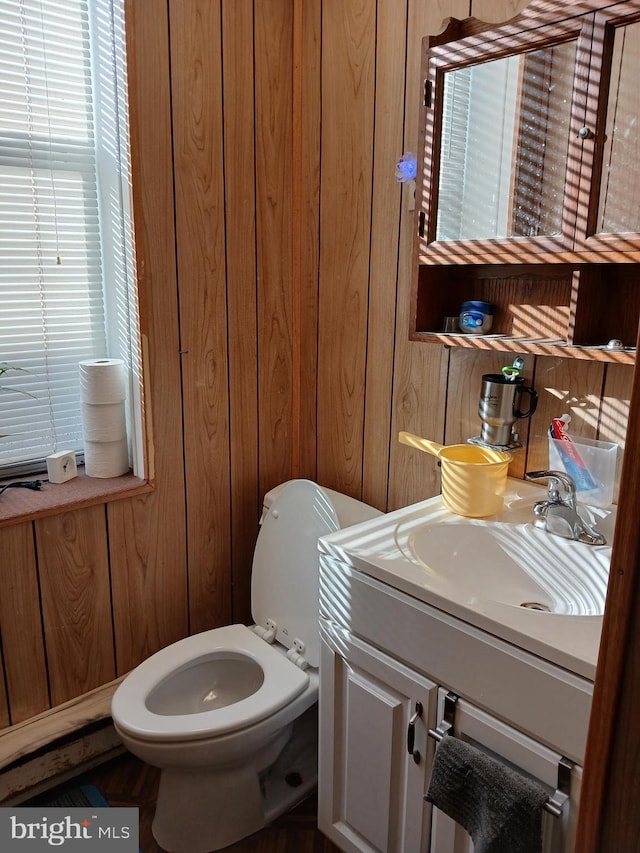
(586, 133)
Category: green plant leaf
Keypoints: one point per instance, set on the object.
(5, 368)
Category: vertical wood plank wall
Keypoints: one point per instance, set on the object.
(274, 251)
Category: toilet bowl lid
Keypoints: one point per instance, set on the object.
(283, 681)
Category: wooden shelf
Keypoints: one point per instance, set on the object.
(564, 310)
(20, 505)
(501, 343)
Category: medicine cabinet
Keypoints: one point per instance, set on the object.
(529, 183)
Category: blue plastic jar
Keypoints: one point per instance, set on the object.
(476, 317)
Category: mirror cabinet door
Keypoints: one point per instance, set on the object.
(618, 209)
(504, 146)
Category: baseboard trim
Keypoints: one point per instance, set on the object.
(55, 742)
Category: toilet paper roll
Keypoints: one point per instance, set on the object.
(102, 380)
(106, 458)
(103, 421)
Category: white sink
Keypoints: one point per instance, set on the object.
(516, 564)
(502, 574)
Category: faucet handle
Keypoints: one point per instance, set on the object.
(556, 479)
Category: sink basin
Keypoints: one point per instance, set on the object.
(502, 575)
(515, 564)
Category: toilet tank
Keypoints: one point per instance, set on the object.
(348, 510)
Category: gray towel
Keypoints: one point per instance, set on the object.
(500, 809)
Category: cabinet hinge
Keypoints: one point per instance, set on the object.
(427, 93)
(421, 223)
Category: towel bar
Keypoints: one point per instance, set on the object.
(555, 803)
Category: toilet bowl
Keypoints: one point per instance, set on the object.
(230, 715)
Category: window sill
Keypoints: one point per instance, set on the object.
(18, 505)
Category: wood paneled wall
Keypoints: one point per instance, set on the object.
(85, 595)
(372, 381)
(274, 252)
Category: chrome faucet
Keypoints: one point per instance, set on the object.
(558, 514)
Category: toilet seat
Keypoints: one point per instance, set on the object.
(283, 681)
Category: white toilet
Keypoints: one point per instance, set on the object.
(230, 715)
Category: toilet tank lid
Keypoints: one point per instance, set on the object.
(348, 510)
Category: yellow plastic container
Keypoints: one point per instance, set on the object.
(473, 477)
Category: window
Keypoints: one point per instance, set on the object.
(67, 278)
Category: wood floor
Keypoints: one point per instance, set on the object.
(126, 781)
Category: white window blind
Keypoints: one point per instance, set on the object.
(67, 282)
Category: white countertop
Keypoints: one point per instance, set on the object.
(397, 550)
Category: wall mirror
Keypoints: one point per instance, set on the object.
(504, 145)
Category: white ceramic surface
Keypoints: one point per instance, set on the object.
(141, 707)
(484, 570)
(226, 715)
(515, 564)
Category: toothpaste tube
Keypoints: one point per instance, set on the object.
(569, 456)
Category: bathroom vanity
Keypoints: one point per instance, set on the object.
(432, 625)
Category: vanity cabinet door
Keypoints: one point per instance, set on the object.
(371, 787)
(523, 754)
